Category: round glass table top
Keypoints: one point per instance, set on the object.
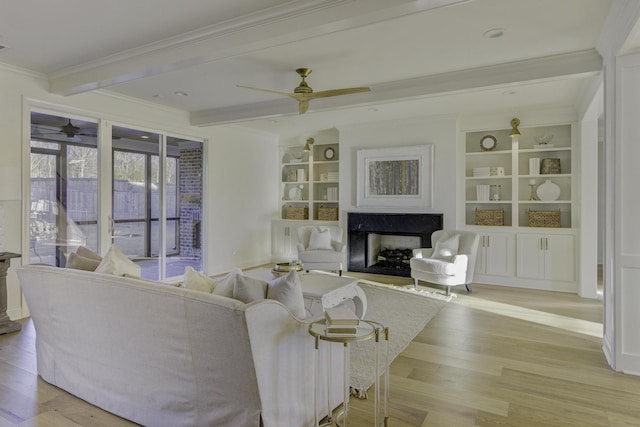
(364, 331)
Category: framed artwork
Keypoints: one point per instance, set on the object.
(396, 177)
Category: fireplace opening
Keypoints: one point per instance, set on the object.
(381, 243)
(390, 251)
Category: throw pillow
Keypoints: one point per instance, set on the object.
(117, 263)
(88, 253)
(288, 290)
(248, 289)
(446, 249)
(78, 262)
(224, 285)
(320, 240)
(198, 281)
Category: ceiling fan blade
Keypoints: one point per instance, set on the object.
(291, 95)
(336, 92)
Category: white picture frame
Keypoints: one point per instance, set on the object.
(395, 177)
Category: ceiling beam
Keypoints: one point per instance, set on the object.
(276, 26)
(536, 69)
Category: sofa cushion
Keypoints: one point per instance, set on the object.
(446, 249)
(117, 263)
(288, 290)
(87, 253)
(198, 281)
(320, 240)
(247, 289)
(224, 285)
(78, 262)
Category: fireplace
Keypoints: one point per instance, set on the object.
(382, 243)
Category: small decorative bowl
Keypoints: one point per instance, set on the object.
(543, 139)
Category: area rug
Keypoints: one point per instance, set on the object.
(405, 311)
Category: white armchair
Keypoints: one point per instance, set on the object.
(449, 262)
(321, 248)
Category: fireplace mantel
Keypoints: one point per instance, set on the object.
(361, 224)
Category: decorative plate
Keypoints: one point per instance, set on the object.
(488, 142)
(548, 191)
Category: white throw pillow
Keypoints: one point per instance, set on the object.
(87, 253)
(446, 249)
(198, 281)
(224, 285)
(248, 289)
(320, 240)
(78, 262)
(117, 263)
(288, 290)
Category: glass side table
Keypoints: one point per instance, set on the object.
(366, 330)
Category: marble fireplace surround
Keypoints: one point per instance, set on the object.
(361, 224)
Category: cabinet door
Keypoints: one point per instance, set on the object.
(481, 257)
(498, 254)
(283, 241)
(530, 255)
(560, 257)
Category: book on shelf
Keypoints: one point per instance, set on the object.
(341, 316)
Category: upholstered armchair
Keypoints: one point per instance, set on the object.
(449, 262)
(321, 248)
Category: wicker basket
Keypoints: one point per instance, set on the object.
(544, 218)
(327, 214)
(489, 217)
(294, 212)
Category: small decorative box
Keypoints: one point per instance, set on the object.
(496, 171)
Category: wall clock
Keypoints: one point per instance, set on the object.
(329, 153)
(488, 143)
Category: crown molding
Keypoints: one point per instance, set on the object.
(23, 71)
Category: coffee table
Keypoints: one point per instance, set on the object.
(322, 290)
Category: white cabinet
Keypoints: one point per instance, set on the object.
(546, 256)
(495, 252)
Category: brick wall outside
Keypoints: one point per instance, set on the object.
(191, 203)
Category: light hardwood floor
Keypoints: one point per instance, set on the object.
(497, 357)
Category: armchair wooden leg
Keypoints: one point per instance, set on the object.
(448, 291)
(468, 286)
(340, 273)
(415, 284)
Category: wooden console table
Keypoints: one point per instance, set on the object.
(6, 325)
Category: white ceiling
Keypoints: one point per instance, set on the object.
(419, 57)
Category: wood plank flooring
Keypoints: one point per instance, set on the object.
(497, 357)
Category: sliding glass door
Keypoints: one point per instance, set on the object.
(155, 202)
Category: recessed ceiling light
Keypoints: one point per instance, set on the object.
(157, 95)
(509, 92)
(373, 109)
(144, 136)
(494, 33)
(274, 121)
(180, 93)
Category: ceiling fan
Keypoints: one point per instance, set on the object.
(303, 93)
(70, 130)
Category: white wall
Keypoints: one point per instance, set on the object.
(242, 198)
(440, 131)
(239, 206)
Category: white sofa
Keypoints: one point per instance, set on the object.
(165, 356)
